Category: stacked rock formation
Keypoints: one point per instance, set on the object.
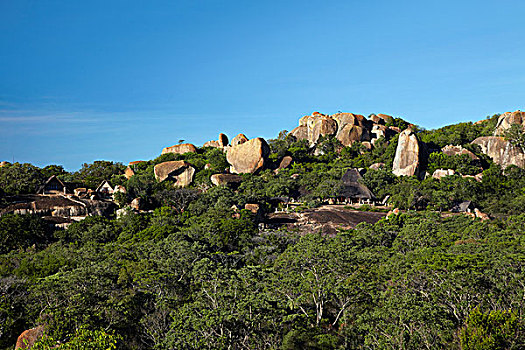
(346, 127)
(221, 143)
(248, 157)
(497, 147)
(237, 140)
(180, 171)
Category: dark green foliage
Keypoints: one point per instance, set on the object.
(20, 179)
(22, 231)
(93, 174)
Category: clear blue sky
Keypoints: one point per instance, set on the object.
(120, 80)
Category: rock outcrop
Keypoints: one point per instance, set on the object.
(128, 173)
(300, 132)
(377, 166)
(285, 163)
(225, 179)
(180, 171)
(451, 150)
(348, 128)
(239, 139)
(440, 173)
(222, 142)
(407, 157)
(28, 338)
(180, 149)
(320, 125)
(506, 120)
(381, 119)
(501, 151)
(248, 157)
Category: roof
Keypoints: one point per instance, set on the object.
(51, 178)
(353, 186)
(102, 185)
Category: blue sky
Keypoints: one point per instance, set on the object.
(120, 80)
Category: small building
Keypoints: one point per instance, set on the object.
(104, 190)
(463, 207)
(53, 186)
(354, 190)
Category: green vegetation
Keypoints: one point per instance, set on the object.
(194, 271)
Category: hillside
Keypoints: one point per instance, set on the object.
(275, 244)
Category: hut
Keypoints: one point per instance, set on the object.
(104, 190)
(353, 188)
(53, 186)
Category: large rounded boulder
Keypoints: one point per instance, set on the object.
(248, 157)
(180, 171)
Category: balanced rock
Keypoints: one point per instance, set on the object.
(180, 149)
(178, 170)
(501, 151)
(407, 158)
(239, 139)
(225, 179)
(506, 120)
(439, 173)
(248, 157)
(222, 142)
(451, 150)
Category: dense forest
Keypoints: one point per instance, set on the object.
(192, 271)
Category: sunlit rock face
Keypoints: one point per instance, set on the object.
(248, 157)
(501, 151)
(407, 158)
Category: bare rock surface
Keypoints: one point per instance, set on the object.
(440, 173)
(128, 173)
(248, 157)
(239, 139)
(352, 133)
(506, 120)
(180, 171)
(407, 157)
(501, 151)
(320, 126)
(28, 338)
(180, 149)
(327, 219)
(300, 132)
(451, 150)
(225, 179)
